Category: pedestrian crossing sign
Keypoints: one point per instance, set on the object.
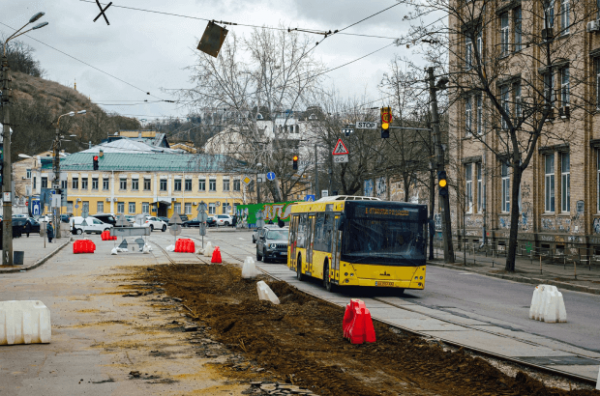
(340, 148)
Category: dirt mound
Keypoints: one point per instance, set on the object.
(301, 341)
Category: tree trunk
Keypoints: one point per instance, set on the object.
(514, 219)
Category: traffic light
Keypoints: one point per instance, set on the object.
(95, 162)
(443, 183)
(386, 120)
(295, 162)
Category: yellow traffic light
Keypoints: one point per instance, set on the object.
(443, 183)
(385, 125)
(295, 158)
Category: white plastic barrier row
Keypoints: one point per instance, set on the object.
(24, 322)
(208, 249)
(265, 293)
(249, 270)
(547, 305)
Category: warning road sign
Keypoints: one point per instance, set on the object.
(340, 148)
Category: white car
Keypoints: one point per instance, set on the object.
(88, 225)
(223, 220)
(155, 223)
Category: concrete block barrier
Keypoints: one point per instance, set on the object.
(249, 270)
(24, 322)
(547, 305)
(265, 293)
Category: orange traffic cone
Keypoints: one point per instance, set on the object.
(216, 256)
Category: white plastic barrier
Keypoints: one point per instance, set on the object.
(249, 270)
(265, 293)
(114, 251)
(547, 305)
(24, 322)
(598, 381)
(208, 249)
(170, 248)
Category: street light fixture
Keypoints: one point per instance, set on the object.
(7, 238)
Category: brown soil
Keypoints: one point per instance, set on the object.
(301, 341)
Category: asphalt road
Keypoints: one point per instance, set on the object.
(497, 302)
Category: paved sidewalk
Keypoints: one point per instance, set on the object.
(35, 252)
(563, 275)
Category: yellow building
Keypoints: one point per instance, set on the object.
(134, 177)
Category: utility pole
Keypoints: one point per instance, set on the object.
(7, 238)
(439, 162)
(257, 190)
(56, 183)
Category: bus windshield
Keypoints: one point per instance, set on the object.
(379, 241)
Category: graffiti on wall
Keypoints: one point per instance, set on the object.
(369, 188)
(596, 225)
(381, 186)
(471, 221)
(548, 224)
(504, 222)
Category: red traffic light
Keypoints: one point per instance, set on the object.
(95, 158)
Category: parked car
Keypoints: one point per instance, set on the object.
(155, 223)
(191, 223)
(260, 231)
(23, 222)
(224, 220)
(272, 244)
(106, 218)
(20, 216)
(130, 219)
(65, 218)
(89, 225)
(183, 218)
(163, 218)
(211, 221)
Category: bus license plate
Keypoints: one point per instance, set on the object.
(384, 284)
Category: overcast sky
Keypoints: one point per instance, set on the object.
(151, 51)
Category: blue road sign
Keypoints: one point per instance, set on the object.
(271, 176)
(309, 198)
(36, 208)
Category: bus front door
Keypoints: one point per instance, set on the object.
(335, 248)
(309, 244)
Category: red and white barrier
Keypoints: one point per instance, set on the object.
(357, 324)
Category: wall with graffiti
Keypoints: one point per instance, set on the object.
(271, 211)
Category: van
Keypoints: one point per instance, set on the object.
(89, 225)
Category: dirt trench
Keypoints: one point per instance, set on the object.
(300, 342)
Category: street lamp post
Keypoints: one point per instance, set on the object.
(56, 144)
(7, 242)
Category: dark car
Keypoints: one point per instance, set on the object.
(183, 218)
(260, 231)
(211, 221)
(65, 218)
(25, 223)
(106, 218)
(272, 244)
(163, 218)
(191, 223)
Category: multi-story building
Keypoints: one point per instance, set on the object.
(532, 59)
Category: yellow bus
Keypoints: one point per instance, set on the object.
(358, 241)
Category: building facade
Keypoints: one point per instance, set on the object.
(559, 197)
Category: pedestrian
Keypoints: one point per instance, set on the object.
(270, 221)
(234, 221)
(50, 231)
(27, 227)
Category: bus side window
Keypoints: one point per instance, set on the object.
(319, 243)
(327, 229)
(302, 229)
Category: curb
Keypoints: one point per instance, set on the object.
(523, 279)
(37, 263)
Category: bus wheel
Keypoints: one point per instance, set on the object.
(299, 274)
(330, 287)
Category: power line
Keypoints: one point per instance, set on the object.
(250, 25)
(87, 64)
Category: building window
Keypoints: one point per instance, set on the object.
(504, 97)
(123, 185)
(34, 183)
(105, 185)
(135, 184)
(479, 103)
(226, 208)
(84, 183)
(518, 105)
(44, 182)
(188, 185)
(201, 184)
(177, 184)
(468, 116)
(163, 184)
(85, 207)
(518, 19)
(236, 185)
(94, 183)
(549, 14)
(120, 207)
(100, 207)
(565, 182)
(505, 199)
(480, 43)
(225, 184)
(212, 185)
(565, 9)
(479, 189)
(145, 207)
(188, 208)
(63, 184)
(28, 172)
(548, 88)
(177, 207)
(132, 207)
(212, 208)
(468, 52)
(504, 34)
(69, 206)
(564, 86)
(75, 183)
(549, 181)
(147, 184)
(469, 188)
